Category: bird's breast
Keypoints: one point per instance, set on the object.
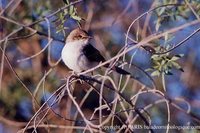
(73, 57)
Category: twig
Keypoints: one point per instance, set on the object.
(2, 64)
(85, 78)
(89, 16)
(143, 42)
(2, 11)
(123, 12)
(14, 6)
(22, 37)
(36, 113)
(146, 22)
(192, 9)
(18, 78)
(29, 26)
(115, 114)
(180, 43)
(40, 82)
(139, 17)
(11, 122)
(32, 56)
(88, 123)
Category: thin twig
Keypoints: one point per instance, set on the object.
(22, 37)
(36, 113)
(2, 11)
(18, 78)
(192, 9)
(29, 26)
(2, 64)
(180, 43)
(143, 42)
(33, 56)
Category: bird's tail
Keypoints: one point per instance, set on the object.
(135, 73)
(118, 70)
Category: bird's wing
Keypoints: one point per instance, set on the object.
(92, 54)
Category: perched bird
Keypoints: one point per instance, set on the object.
(79, 55)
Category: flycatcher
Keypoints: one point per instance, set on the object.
(79, 55)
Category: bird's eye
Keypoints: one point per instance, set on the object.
(79, 37)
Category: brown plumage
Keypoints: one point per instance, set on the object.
(77, 34)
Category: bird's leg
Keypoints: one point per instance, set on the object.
(72, 72)
(76, 74)
(80, 80)
(68, 74)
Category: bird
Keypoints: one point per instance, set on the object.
(79, 55)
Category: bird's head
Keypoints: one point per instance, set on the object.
(78, 35)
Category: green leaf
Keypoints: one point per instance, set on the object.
(163, 62)
(76, 18)
(158, 24)
(71, 10)
(166, 36)
(155, 73)
(73, 14)
(65, 28)
(174, 58)
(176, 65)
(149, 69)
(155, 57)
(65, 11)
(162, 10)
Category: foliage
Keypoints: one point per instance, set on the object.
(174, 13)
(70, 12)
(164, 63)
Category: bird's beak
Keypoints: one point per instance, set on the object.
(88, 37)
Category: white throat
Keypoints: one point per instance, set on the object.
(73, 56)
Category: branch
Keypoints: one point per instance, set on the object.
(29, 26)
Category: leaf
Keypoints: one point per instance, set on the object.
(73, 14)
(155, 57)
(158, 24)
(58, 30)
(149, 69)
(176, 65)
(76, 18)
(71, 10)
(155, 73)
(163, 62)
(162, 10)
(174, 58)
(166, 36)
(65, 11)
(65, 28)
